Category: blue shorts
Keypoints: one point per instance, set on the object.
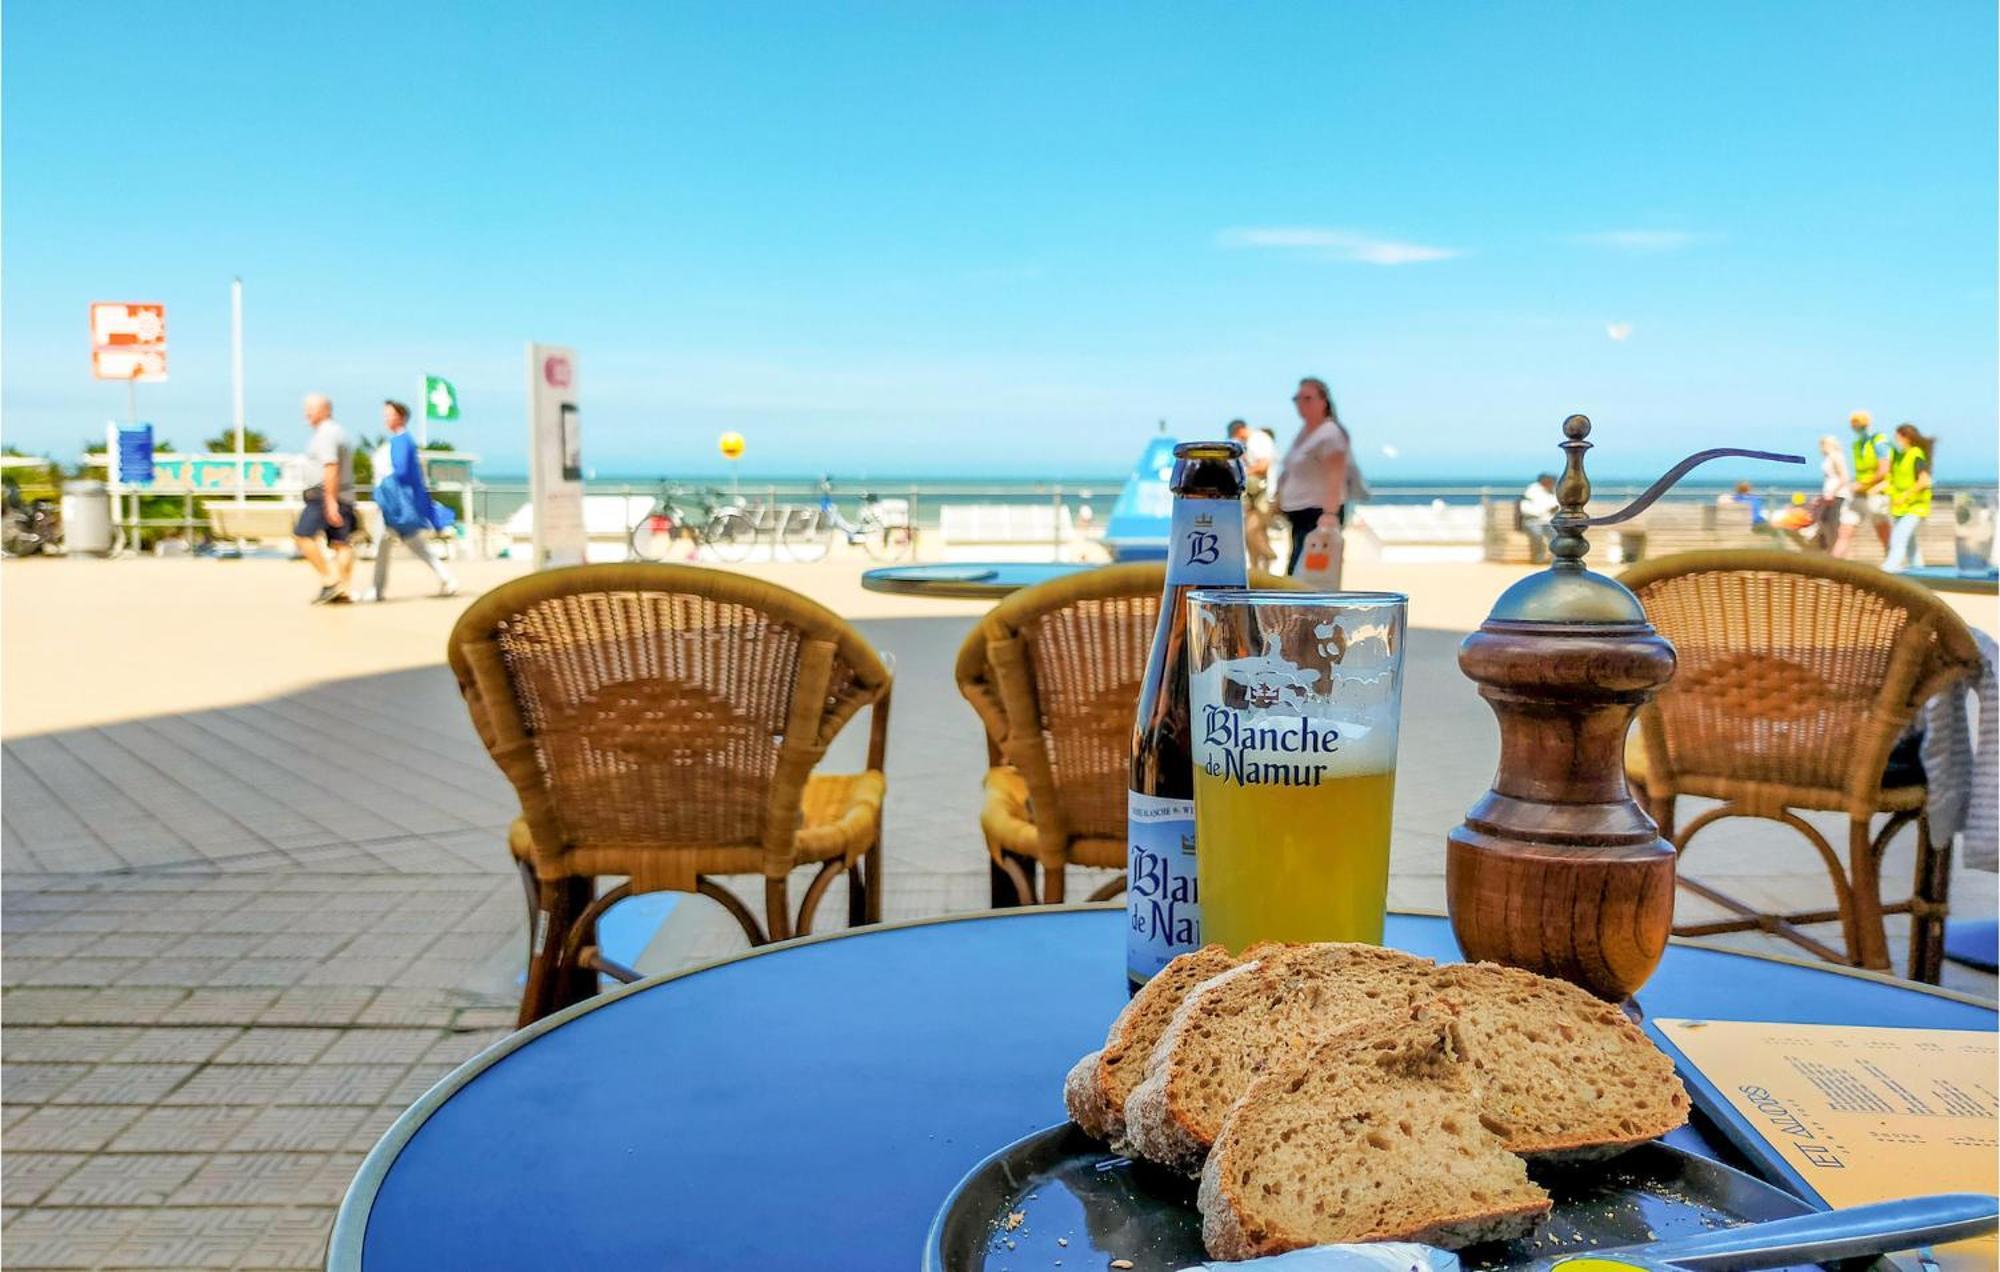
(312, 520)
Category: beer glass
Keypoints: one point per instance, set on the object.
(1295, 699)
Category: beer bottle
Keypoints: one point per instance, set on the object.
(1204, 549)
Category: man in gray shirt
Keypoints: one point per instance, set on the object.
(329, 510)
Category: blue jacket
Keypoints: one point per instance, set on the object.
(401, 494)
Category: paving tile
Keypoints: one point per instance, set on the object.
(184, 1130)
(64, 1044)
(316, 1005)
(459, 1047)
(25, 1177)
(163, 1043)
(82, 1128)
(303, 944)
(381, 1046)
(295, 1239)
(68, 1238)
(33, 1006)
(124, 1084)
(34, 1083)
(374, 1124)
(300, 1128)
(220, 1007)
(411, 1086)
(264, 971)
(276, 1045)
(124, 1179)
(215, 945)
(121, 1005)
(250, 1179)
(410, 1007)
(191, 1238)
(235, 1084)
(344, 1084)
(343, 970)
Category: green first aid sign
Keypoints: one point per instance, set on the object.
(440, 399)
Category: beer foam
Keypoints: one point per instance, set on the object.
(1352, 735)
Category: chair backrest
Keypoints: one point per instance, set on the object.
(1054, 672)
(659, 706)
(1793, 669)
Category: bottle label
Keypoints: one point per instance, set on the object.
(1162, 909)
(1206, 545)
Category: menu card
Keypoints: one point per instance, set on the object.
(1856, 1114)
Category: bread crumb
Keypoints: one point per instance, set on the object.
(1015, 1218)
(1121, 1263)
(1062, 1241)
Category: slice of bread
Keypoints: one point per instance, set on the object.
(1560, 1072)
(1096, 1088)
(1372, 1135)
(1262, 1013)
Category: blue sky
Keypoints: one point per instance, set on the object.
(1007, 240)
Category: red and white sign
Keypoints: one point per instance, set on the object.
(555, 370)
(128, 340)
(128, 364)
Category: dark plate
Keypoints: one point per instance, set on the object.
(1069, 1187)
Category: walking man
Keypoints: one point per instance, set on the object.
(1869, 501)
(329, 510)
(408, 513)
(1259, 453)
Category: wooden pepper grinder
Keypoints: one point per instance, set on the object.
(1556, 869)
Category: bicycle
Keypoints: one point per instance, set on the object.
(28, 527)
(723, 526)
(883, 529)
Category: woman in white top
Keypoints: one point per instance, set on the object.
(1312, 481)
(1835, 485)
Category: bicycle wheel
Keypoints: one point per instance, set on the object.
(653, 538)
(806, 538)
(888, 543)
(730, 536)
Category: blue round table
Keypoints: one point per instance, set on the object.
(810, 1105)
(983, 579)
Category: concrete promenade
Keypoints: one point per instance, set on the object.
(257, 899)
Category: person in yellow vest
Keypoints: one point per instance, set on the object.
(1909, 498)
(1868, 498)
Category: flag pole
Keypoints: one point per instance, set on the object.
(236, 376)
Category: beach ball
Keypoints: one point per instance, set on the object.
(732, 445)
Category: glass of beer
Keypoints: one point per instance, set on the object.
(1294, 702)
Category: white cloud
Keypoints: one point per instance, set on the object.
(1391, 451)
(1334, 244)
(1618, 330)
(1642, 240)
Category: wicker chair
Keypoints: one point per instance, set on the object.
(661, 723)
(1054, 672)
(1797, 676)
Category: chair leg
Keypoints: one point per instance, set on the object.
(1662, 811)
(1012, 879)
(857, 896)
(873, 883)
(777, 919)
(809, 906)
(1052, 884)
(1930, 901)
(554, 906)
(1867, 941)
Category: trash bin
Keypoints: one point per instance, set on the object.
(86, 516)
